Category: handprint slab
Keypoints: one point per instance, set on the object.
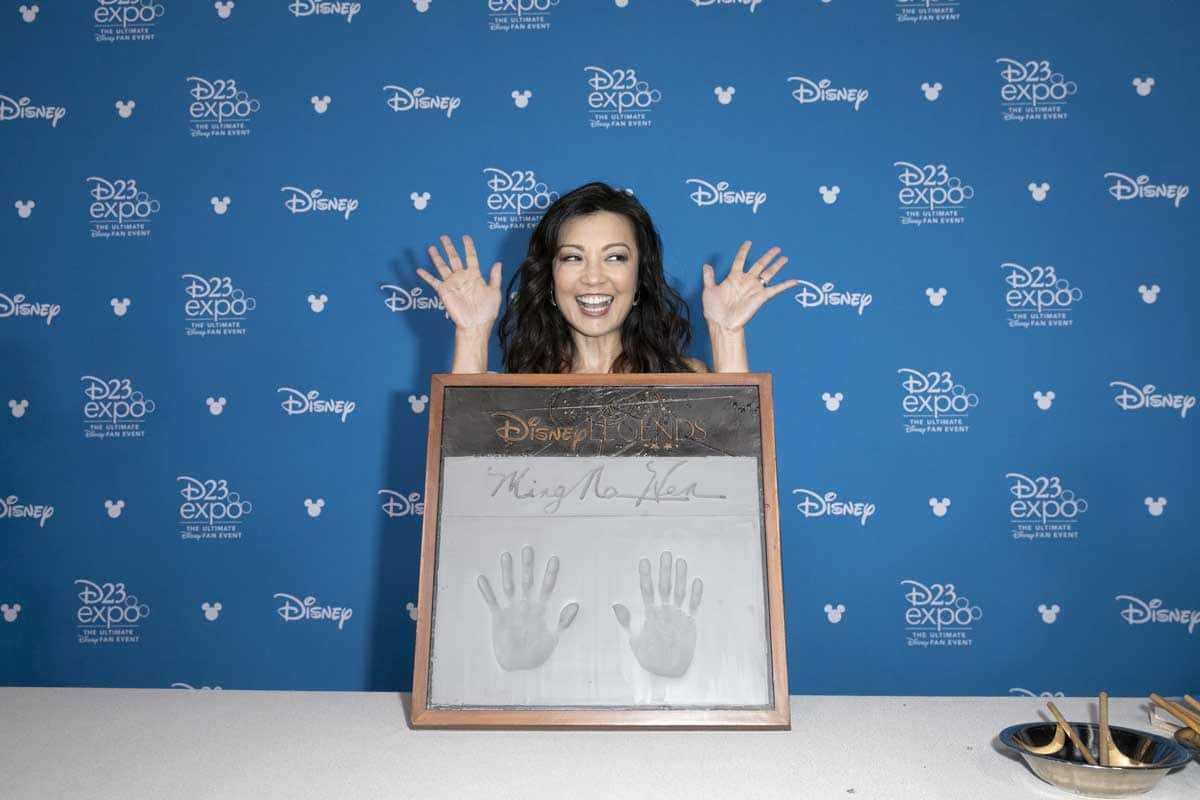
(520, 637)
(666, 642)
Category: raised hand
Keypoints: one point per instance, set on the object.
(731, 303)
(667, 641)
(520, 638)
(471, 302)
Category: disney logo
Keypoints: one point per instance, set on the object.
(24, 109)
(306, 8)
(16, 306)
(812, 504)
(298, 402)
(753, 4)
(399, 505)
(1139, 612)
(407, 100)
(302, 202)
(809, 91)
(294, 609)
(1127, 188)
(403, 299)
(10, 508)
(1131, 397)
(708, 194)
(812, 296)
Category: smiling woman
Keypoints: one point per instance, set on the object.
(591, 296)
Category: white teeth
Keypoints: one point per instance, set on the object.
(594, 299)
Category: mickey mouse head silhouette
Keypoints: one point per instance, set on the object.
(621, 3)
(936, 296)
(417, 403)
(125, 108)
(320, 104)
(314, 506)
(29, 14)
(420, 201)
(1038, 190)
(1149, 293)
(10, 612)
(121, 306)
(411, 609)
(215, 406)
(932, 91)
(724, 96)
(521, 98)
(1155, 507)
(1050, 614)
(223, 9)
(829, 194)
(832, 401)
(220, 204)
(211, 611)
(18, 408)
(939, 506)
(317, 302)
(24, 208)
(834, 613)
(422, 5)
(1044, 399)
(114, 507)
(1144, 86)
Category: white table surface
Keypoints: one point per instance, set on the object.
(93, 744)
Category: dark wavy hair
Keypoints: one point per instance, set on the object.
(534, 335)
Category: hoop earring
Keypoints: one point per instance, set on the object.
(636, 295)
(552, 299)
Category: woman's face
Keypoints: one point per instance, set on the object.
(596, 272)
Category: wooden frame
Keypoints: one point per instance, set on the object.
(472, 429)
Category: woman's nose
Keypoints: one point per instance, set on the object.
(593, 271)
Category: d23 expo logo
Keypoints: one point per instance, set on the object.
(934, 402)
(1032, 90)
(930, 195)
(126, 20)
(516, 199)
(220, 108)
(120, 209)
(210, 511)
(1038, 297)
(1042, 509)
(936, 615)
(108, 614)
(114, 409)
(520, 15)
(214, 306)
(619, 98)
(927, 10)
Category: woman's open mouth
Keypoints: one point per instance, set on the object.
(594, 305)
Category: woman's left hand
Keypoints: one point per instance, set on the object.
(731, 303)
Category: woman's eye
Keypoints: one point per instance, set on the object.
(619, 256)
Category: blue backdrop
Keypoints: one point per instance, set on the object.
(216, 352)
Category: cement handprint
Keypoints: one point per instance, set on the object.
(667, 641)
(520, 636)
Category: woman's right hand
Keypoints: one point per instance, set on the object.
(472, 303)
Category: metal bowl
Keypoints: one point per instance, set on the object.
(1188, 737)
(1068, 770)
